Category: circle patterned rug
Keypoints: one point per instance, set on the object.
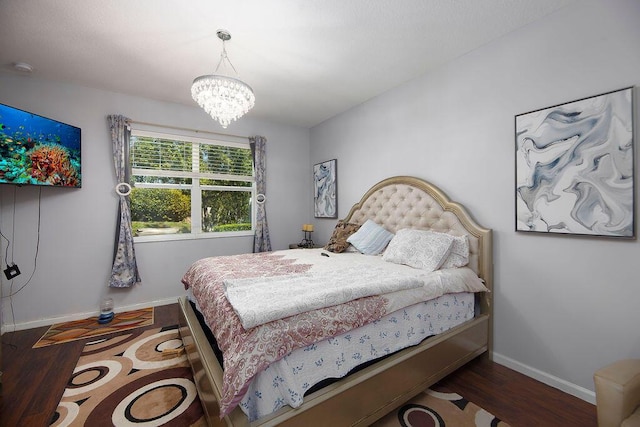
(440, 409)
(138, 379)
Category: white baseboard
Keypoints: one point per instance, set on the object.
(548, 379)
(79, 316)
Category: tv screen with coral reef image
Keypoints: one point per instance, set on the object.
(35, 150)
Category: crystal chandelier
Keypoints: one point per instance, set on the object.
(223, 98)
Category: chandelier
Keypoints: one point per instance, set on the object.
(224, 98)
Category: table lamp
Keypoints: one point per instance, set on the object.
(306, 241)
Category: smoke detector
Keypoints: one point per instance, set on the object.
(23, 67)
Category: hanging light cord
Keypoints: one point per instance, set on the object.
(223, 57)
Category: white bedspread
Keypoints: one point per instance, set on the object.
(260, 300)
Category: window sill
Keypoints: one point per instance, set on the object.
(185, 236)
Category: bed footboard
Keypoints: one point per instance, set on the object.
(358, 400)
(204, 365)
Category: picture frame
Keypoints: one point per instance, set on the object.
(325, 189)
(575, 167)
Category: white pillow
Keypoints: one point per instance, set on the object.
(459, 255)
(371, 238)
(421, 249)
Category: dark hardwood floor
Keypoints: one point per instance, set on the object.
(34, 379)
(518, 399)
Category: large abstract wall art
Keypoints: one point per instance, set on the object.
(325, 182)
(575, 167)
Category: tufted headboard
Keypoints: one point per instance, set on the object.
(408, 202)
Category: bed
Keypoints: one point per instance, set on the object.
(397, 203)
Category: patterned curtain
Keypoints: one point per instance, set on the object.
(261, 240)
(124, 272)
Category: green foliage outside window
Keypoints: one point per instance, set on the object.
(226, 209)
(156, 204)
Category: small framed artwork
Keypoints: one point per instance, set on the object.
(325, 189)
(575, 167)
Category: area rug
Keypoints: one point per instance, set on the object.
(439, 409)
(140, 378)
(88, 328)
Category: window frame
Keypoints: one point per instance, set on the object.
(195, 187)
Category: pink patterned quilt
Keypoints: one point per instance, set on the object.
(248, 352)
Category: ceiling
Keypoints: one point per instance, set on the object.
(306, 60)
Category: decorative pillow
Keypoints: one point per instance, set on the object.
(421, 249)
(459, 255)
(338, 241)
(371, 238)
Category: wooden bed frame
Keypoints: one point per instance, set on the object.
(362, 398)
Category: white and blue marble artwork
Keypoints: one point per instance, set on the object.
(325, 189)
(575, 166)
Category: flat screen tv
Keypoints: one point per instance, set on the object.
(36, 150)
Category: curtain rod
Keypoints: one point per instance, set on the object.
(187, 129)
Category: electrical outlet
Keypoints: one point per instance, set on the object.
(12, 272)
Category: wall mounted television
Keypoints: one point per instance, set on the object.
(36, 150)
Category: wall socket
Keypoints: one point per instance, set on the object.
(12, 271)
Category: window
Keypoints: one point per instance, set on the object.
(186, 187)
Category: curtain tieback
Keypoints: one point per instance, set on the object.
(127, 189)
(261, 198)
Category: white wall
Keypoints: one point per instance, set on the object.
(564, 306)
(78, 225)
